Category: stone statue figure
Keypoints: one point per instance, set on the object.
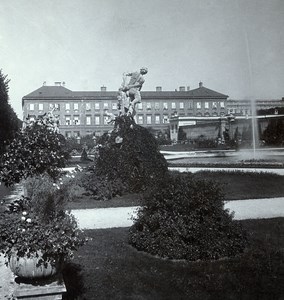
(130, 93)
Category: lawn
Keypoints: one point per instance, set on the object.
(108, 268)
(236, 186)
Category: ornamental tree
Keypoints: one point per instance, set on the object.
(36, 149)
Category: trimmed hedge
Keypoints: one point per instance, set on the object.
(184, 218)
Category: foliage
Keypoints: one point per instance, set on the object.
(37, 149)
(184, 218)
(131, 154)
(40, 222)
(9, 122)
(274, 132)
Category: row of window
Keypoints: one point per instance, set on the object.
(99, 120)
(106, 105)
(104, 120)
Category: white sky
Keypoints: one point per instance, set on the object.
(235, 47)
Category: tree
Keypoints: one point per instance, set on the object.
(9, 122)
(274, 132)
(37, 149)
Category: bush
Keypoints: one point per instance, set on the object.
(130, 154)
(184, 218)
(36, 150)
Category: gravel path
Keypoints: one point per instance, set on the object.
(123, 216)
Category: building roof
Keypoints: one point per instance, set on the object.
(62, 92)
(50, 91)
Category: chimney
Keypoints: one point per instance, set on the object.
(188, 88)
(182, 88)
(158, 88)
(63, 83)
(200, 84)
(44, 83)
(103, 88)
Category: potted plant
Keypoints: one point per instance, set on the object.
(37, 234)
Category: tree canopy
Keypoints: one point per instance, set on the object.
(9, 122)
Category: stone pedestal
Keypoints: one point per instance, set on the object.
(51, 289)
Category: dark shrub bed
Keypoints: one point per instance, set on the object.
(128, 160)
(184, 218)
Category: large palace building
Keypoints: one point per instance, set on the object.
(82, 113)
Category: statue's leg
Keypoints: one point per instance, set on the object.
(137, 99)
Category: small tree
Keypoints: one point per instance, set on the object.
(35, 150)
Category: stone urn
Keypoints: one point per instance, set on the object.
(32, 267)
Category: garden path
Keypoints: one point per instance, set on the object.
(123, 216)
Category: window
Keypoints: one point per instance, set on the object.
(173, 105)
(40, 106)
(88, 120)
(97, 120)
(165, 119)
(214, 104)
(51, 106)
(165, 105)
(139, 106)
(76, 106)
(105, 105)
(68, 134)
(114, 105)
(206, 105)
(32, 106)
(67, 106)
(140, 119)
(198, 105)
(222, 104)
(57, 106)
(149, 119)
(88, 106)
(157, 119)
(157, 105)
(148, 105)
(76, 134)
(76, 120)
(190, 105)
(181, 105)
(67, 120)
(97, 105)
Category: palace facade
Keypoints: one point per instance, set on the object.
(83, 112)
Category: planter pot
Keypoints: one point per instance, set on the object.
(31, 267)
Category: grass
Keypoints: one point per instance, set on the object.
(108, 268)
(246, 185)
(236, 186)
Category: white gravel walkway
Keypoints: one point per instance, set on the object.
(123, 216)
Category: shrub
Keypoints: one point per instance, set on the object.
(40, 222)
(184, 218)
(35, 150)
(129, 154)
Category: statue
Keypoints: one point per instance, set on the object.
(129, 94)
